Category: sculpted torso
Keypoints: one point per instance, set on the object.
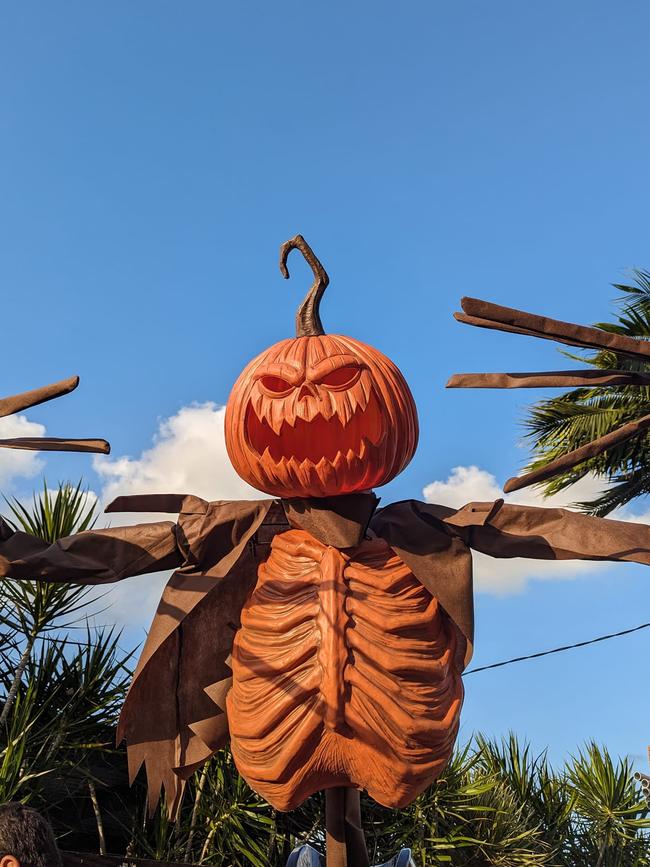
(345, 670)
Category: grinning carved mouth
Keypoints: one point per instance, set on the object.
(318, 439)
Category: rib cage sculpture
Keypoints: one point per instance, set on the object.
(345, 670)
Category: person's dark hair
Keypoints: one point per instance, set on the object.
(26, 835)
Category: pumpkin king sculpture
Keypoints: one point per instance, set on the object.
(324, 637)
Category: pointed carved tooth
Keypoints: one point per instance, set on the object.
(344, 408)
(304, 410)
(277, 416)
(282, 474)
(371, 423)
(339, 468)
(290, 412)
(326, 472)
(365, 386)
(270, 465)
(257, 404)
(327, 404)
(293, 471)
(354, 468)
(281, 470)
(351, 403)
(363, 450)
(307, 473)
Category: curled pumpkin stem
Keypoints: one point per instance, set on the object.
(308, 321)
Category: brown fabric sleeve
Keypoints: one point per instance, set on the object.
(92, 557)
(506, 530)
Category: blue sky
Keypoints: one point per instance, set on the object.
(153, 156)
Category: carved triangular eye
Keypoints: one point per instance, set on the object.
(275, 385)
(342, 377)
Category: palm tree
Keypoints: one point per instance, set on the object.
(29, 608)
(558, 425)
(60, 697)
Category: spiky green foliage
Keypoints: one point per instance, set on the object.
(608, 810)
(495, 804)
(222, 822)
(469, 816)
(59, 697)
(31, 608)
(28, 609)
(65, 711)
(558, 425)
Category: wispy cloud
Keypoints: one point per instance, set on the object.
(14, 463)
(188, 456)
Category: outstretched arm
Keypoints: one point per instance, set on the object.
(91, 557)
(506, 530)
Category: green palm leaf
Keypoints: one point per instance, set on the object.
(558, 425)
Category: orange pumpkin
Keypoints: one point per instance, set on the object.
(319, 414)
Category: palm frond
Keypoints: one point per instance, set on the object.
(558, 425)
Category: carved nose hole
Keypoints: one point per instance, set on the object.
(306, 390)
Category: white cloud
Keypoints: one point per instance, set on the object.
(188, 456)
(467, 484)
(15, 463)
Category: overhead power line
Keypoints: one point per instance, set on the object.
(557, 649)
(471, 670)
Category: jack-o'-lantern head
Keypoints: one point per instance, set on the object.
(319, 414)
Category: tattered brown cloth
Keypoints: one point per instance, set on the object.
(82, 859)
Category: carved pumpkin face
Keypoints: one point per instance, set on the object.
(319, 415)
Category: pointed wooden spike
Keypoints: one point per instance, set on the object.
(19, 402)
(549, 379)
(484, 314)
(478, 322)
(572, 459)
(54, 444)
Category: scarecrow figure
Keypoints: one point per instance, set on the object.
(323, 636)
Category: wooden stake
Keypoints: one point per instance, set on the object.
(337, 855)
(485, 314)
(346, 846)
